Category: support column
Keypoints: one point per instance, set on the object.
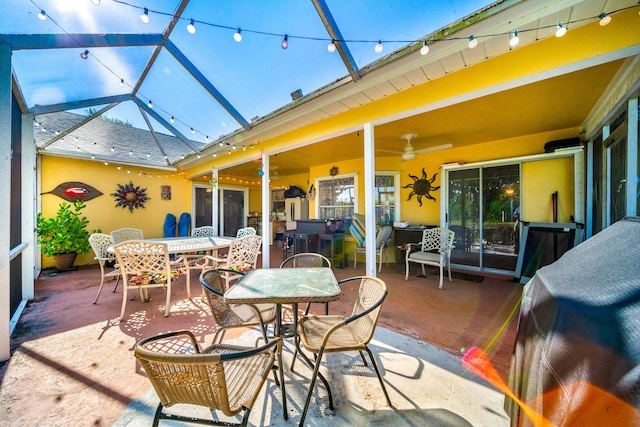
(28, 207)
(369, 199)
(215, 197)
(5, 202)
(266, 203)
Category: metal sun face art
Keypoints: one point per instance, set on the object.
(422, 186)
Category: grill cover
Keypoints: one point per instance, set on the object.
(577, 355)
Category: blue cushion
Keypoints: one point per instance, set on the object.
(355, 233)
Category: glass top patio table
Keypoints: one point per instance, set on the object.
(285, 285)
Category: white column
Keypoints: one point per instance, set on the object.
(215, 197)
(369, 199)
(266, 203)
(5, 202)
(28, 204)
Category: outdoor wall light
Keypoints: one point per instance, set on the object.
(191, 28)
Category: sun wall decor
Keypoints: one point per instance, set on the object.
(130, 196)
(334, 171)
(422, 187)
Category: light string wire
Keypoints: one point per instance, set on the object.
(426, 41)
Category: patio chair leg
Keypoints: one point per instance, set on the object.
(440, 286)
(100, 289)
(375, 367)
(316, 374)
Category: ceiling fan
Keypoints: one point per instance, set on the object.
(409, 152)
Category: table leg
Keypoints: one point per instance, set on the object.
(296, 337)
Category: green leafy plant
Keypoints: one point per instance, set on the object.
(66, 232)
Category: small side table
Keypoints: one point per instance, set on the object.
(328, 245)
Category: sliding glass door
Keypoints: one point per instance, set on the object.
(483, 210)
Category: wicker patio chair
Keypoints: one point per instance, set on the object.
(123, 234)
(247, 231)
(221, 378)
(435, 249)
(237, 315)
(241, 257)
(99, 243)
(146, 265)
(321, 334)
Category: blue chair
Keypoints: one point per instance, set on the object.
(170, 225)
(184, 225)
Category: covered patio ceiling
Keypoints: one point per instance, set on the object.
(213, 94)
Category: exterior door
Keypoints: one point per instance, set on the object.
(483, 210)
(202, 206)
(232, 210)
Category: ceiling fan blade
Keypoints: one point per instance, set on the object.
(435, 148)
(389, 151)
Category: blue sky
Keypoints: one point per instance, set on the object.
(256, 75)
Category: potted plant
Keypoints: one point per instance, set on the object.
(64, 235)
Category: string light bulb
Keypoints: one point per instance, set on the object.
(332, 46)
(85, 54)
(604, 19)
(514, 39)
(193, 130)
(145, 16)
(237, 36)
(131, 152)
(150, 104)
(191, 27)
(424, 49)
(472, 42)
(561, 31)
(379, 47)
(121, 83)
(96, 2)
(42, 15)
(172, 120)
(113, 149)
(285, 42)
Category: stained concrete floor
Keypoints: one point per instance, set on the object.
(72, 363)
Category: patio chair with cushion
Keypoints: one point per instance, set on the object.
(435, 249)
(247, 231)
(237, 315)
(241, 257)
(146, 265)
(383, 237)
(127, 233)
(222, 378)
(99, 243)
(321, 334)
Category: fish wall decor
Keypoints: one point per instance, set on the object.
(72, 191)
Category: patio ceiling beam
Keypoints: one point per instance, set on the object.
(166, 124)
(75, 105)
(69, 41)
(153, 135)
(206, 84)
(78, 125)
(334, 32)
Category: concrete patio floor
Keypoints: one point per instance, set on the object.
(72, 363)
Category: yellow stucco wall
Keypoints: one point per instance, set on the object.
(101, 211)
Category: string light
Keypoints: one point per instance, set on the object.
(472, 42)
(561, 31)
(379, 47)
(145, 16)
(121, 83)
(85, 54)
(285, 42)
(332, 46)
(237, 36)
(514, 39)
(424, 49)
(172, 120)
(42, 15)
(191, 28)
(604, 19)
(150, 104)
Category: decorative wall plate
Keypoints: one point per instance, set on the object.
(130, 196)
(422, 187)
(71, 191)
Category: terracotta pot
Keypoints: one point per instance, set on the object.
(64, 261)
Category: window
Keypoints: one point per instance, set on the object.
(336, 197)
(386, 195)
